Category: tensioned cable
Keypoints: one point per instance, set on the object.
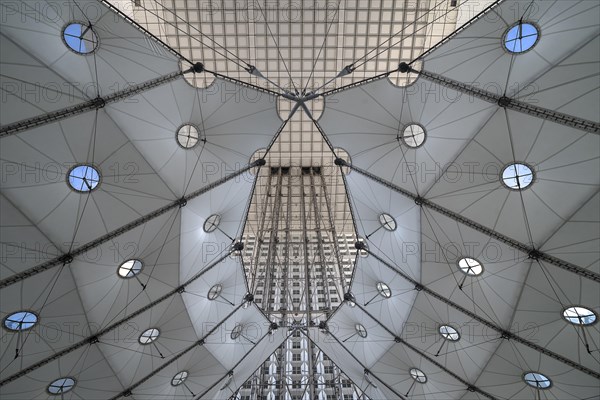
(355, 65)
(337, 10)
(276, 45)
(203, 140)
(386, 74)
(351, 354)
(506, 334)
(178, 355)
(195, 38)
(518, 180)
(582, 338)
(100, 332)
(261, 216)
(514, 54)
(19, 349)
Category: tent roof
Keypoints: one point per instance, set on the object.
(539, 246)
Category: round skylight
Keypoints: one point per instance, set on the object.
(388, 222)
(130, 268)
(179, 378)
(61, 385)
(20, 321)
(470, 266)
(384, 290)
(449, 333)
(212, 223)
(517, 176)
(149, 336)
(187, 136)
(537, 380)
(521, 37)
(80, 37)
(83, 178)
(236, 332)
(215, 291)
(579, 315)
(418, 375)
(413, 135)
(361, 330)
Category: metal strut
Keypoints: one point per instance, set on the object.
(397, 339)
(200, 342)
(93, 104)
(272, 252)
(504, 333)
(68, 258)
(357, 360)
(95, 337)
(144, 30)
(242, 83)
(507, 102)
(230, 373)
(530, 251)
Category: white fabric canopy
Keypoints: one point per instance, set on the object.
(132, 143)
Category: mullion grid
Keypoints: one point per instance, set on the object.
(214, 21)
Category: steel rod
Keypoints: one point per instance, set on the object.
(533, 253)
(69, 257)
(92, 339)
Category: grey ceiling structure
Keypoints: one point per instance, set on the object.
(375, 200)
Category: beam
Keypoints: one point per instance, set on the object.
(272, 256)
(422, 55)
(530, 251)
(356, 84)
(458, 30)
(230, 373)
(128, 392)
(358, 362)
(90, 105)
(259, 235)
(325, 275)
(336, 246)
(95, 337)
(397, 339)
(68, 258)
(503, 333)
(242, 83)
(507, 102)
(145, 31)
